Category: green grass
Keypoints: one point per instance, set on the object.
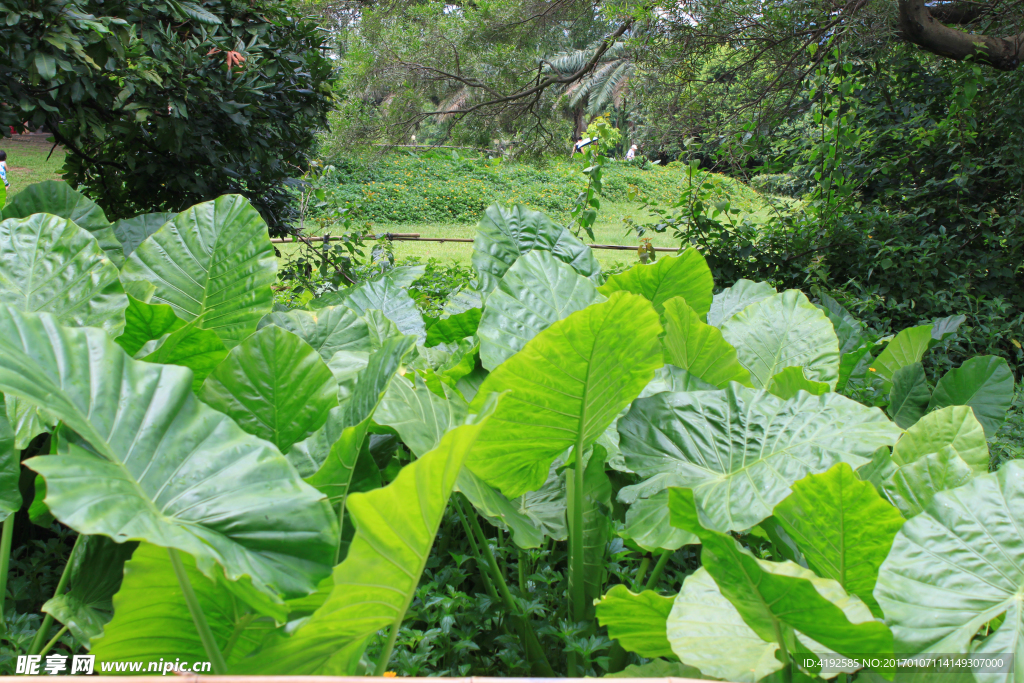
(29, 161)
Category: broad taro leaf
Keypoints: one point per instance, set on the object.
(647, 525)
(529, 518)
(213, 263)
(909, 396)
(781, 331)
(788, 382)
(908, 347)
(420, 416)
(741, 449)
(657, 668)
(732, 300)
(49, 264)
(637, 621)
(328, 458)
(189, 346)
(381, 329)
(686, 276)
(705, 630)
(843, 528)
(849, 330)
(393, 301)
(953, 426)
(537, 291)
(453, 327)
(774, 598)
(132, 231)
(699, 348)
(913, 486)
(597, 524)
(564, 388)
(984, 383)
(145, 323)
(161, 466)
(855, 363)
(152, 620)
(10, 467)
(56, 197)
(346, 366)
(395, 529)
(958, 566)
(328, 330)
(275, 386)
(94, 576)
(505, 235)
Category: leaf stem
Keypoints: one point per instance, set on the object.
(385, 655)
(341, 529)
(787, 671)
(577, 568)
(484, 571)
(240, 625)
(641, 573)
(53, 641)
(658, 570)
(37, 642)
(198, 618)
(5, 562)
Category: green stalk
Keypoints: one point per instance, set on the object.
(385, 656)
(641, 573)
(239, 627)
(341, 530)
(5, 562)
(484, 571)
(53, 641)
(37, 642)
(787, 671)
(577, 570)
(198, 618)
(529, 638)
(658, 569)
(522, 571)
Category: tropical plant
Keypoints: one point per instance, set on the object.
(267, 485)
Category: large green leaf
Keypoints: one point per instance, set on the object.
(596, 531)
(658, 668)
(913, 486)
(393, 301)
(192, 347)
(505, 235)
(741, 449)
(909, 396)
(420, 416)
(566, 385)
(10, 467)
(275, 386)
(52, 265)
(849, 330)
(94, 575)
(132, 231)
(781, 331)
(777, 598)
(705, 630)
(373, 587)
(57, 198)
(535, 292)
(954, 427)
(152, 620)
(908, 347)
(842, 527)
(145, 323)
(958, 566)
(328, 330)
(984, 383)
(699, 348)
(531, 517)
(454, 327)
(330, 455)
(788, 382)
(161, 466)
(686, 276)
(213, 263)
(647, 525)
(637, 621)
(732, 300)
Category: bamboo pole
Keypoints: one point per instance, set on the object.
(415, 237)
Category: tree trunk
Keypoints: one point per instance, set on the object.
(923, 28)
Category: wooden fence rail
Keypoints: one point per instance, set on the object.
(415, 237)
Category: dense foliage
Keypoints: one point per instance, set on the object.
(160, 104)
(324, 489)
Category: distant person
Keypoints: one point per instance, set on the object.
(3, 168)
(631, 154)
(580, 144)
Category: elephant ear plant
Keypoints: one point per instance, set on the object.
(730, 485)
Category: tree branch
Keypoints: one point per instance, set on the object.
(923, 28)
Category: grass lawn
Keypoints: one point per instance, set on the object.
(29, 161)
